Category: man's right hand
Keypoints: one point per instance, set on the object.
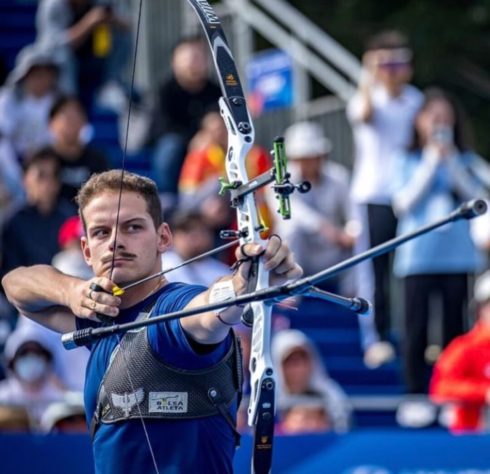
(86, 302)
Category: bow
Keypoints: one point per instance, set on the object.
(233, 108)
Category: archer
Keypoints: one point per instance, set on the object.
(178, 379)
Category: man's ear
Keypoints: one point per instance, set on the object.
(165, 238)
(86, 250)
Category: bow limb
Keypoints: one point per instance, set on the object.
(241, 135)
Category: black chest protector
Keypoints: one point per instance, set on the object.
(157, 390)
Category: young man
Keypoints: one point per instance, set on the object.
(31, 235)
(67, 121)
(164, 374)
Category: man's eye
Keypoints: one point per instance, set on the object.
(134, 227)
(99, 233)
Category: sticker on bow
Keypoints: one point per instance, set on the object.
(167, 402)
(127, 401)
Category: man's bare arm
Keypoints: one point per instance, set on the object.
(52, 298)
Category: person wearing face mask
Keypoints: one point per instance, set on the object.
(30, 381)
(430, 180)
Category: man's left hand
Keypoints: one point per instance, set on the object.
(277, 258)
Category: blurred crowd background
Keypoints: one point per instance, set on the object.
(421, 359)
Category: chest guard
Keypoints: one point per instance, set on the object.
(159, 390)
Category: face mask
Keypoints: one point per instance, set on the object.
(31, 367)
(443, 135)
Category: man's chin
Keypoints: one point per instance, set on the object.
(120, 278)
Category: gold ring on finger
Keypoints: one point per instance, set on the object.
(94, 305)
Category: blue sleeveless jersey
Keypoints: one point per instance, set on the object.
(204, 445)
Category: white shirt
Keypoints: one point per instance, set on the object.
(376, 141)
(36, 403)
(24, 119)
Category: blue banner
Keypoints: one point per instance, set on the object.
(270, 81)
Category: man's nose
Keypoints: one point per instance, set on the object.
(116, 241)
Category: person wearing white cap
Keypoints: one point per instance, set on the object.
(461, 376)
(320, 231)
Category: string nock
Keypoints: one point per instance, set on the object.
(116, 291)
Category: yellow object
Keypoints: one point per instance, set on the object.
(116, 291)
(102, 41)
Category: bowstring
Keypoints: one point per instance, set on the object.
(123, 167)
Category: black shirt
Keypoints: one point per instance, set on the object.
(181, 111)
(74, 173)
(31, 238)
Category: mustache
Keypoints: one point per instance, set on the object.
(112, 257)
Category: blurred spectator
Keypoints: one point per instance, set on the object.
(192, 237)
(68, 123)
(462, 374)
(67, 416)
(31, 235)
(431, 180)
(88, 35)
(321, 231)
(305, 414)
(300, 372)
(381, 114)
(14, 419)
(30, 381)
(69, 366)
(183, 100)
(26, 99)
(205, 164)
(70, 259)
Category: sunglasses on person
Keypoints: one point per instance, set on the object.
(394, 65)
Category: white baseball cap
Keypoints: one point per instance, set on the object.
(305, 140)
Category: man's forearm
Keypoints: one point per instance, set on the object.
(212, 327)
(36, 288)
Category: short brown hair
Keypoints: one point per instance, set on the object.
(117, 181)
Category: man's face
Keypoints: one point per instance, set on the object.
(195, 241)
(42, 184)
(67, 124)
(40, 80)
(138, 244)
(190, 63)
(393, 67)
(309, 168)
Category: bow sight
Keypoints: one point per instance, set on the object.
(278, 175)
